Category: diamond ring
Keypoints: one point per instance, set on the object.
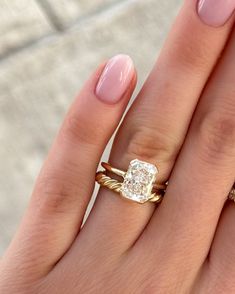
(139, 182)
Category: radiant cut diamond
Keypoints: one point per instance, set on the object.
(139, 180)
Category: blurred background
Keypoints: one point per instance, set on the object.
(48, 48)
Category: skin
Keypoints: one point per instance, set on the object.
(183, 121)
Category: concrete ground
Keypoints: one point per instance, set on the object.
(47, 50)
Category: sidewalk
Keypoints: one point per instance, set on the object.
(47, 50)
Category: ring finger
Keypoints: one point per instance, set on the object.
(155, 126)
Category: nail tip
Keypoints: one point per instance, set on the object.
(124, 57)
(215, 13)
(115, 79)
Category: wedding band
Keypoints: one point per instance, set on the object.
(139, 182)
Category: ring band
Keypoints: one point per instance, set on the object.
(139, 182)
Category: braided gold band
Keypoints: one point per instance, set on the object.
(114, 185)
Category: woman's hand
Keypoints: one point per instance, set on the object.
(186, 245)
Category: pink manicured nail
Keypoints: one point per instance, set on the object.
(115, 79)
(215, 12)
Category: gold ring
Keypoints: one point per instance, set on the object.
(231, 195)
(122, 174)
(139, 182)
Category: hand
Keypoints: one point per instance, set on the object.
(186, 244)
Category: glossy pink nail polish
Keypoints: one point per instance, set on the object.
(215, 12)
(115, 79)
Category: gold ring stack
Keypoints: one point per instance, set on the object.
(138, 182)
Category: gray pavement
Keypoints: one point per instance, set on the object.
(47, 50)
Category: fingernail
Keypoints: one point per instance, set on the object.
(215, 12)
(115, 79)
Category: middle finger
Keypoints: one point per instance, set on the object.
(185, 224)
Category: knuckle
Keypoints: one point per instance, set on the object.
(54, 195)
(217, 136)
(192, 60)
(193, 56)
(79, 130)
(148, 143)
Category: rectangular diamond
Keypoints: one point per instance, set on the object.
(139, 180)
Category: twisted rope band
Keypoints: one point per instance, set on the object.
(108, 182)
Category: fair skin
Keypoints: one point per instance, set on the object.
(183, 121)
